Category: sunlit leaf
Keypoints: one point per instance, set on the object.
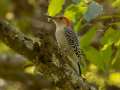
(55, 7)
(116, 3)
(30, 69)
(114, 79)
(111, 36)
(116, 60)
(117, 43)
(71, 11)
(75, 11)
(3, 48)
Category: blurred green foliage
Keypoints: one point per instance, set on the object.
(4, 7)
(57, 5)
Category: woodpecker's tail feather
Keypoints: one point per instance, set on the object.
(75, 65)
(80, 72)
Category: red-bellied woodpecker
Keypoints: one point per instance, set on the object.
(68, 42)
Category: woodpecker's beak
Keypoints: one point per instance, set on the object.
(50, 18)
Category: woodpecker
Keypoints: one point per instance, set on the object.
(68, 42)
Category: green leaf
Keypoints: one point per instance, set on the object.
(3, 48)
(55, 7)
(100, 58)
(75, 11)
(92, 55)
(116, 60)
(106, 57)
(94, 10)
(71, 12)
(111, 36)
(116, 3)
(85, 40)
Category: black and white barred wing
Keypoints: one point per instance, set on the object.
(73, 41)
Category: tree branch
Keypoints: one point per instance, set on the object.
(17, 40)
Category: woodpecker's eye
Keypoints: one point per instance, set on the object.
(61, 18)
